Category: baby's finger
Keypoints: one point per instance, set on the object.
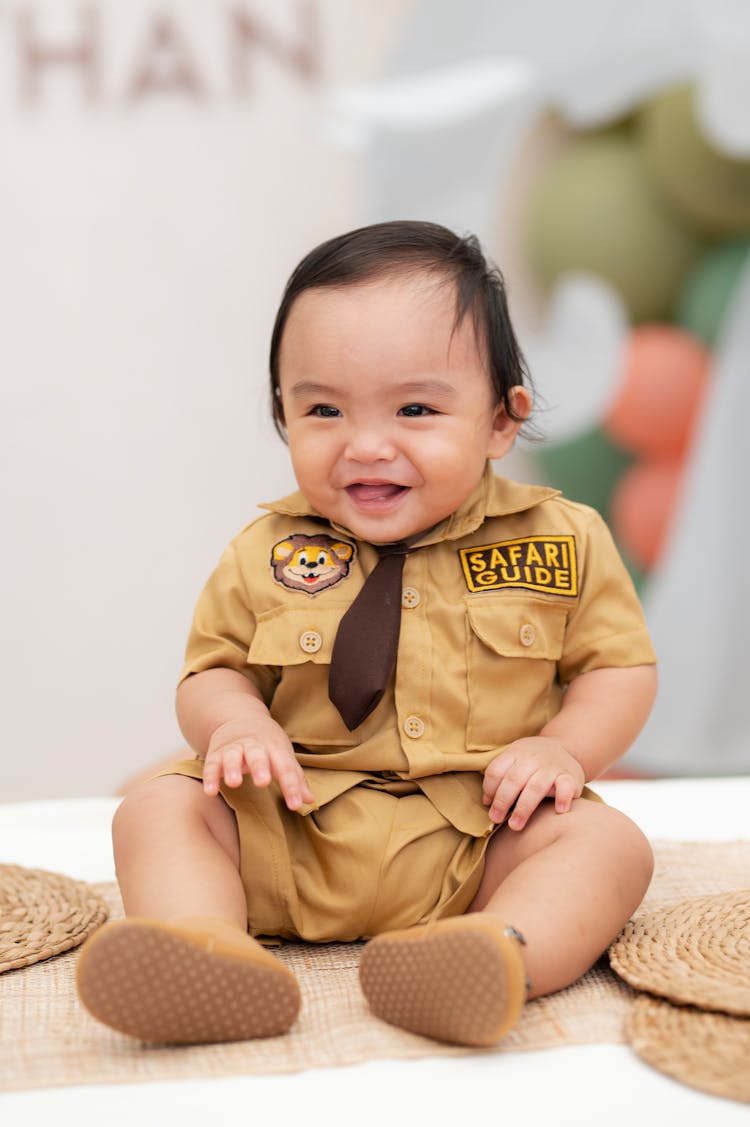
(307, 794)
(566, 789)
(535, 791)
(232, 758)
(494, 775)
(291, 780)
(257, 763)
(211, 775)
(506, 795)
(224, 763)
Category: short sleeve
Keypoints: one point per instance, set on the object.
(223, 627)
(607, 629)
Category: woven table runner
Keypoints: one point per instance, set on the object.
(48, 1040)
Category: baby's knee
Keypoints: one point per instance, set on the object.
(633, 847)
(643, 855)
(157, 810)
(152, 803)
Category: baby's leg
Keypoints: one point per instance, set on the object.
(181, 967)
(568, 883)
(177, 852)
(551, 899)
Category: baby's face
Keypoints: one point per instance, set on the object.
(390, 415)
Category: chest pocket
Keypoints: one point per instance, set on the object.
(297, 644)
(513, 646)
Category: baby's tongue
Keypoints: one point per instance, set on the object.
(375, 491)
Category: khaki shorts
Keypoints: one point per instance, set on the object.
(377, 856)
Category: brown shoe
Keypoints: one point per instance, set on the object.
(185, 982)
(460, 980)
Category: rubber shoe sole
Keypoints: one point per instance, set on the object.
(161, 984)
(460, 980)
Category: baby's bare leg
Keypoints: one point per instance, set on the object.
(177, 852)
(568, 883)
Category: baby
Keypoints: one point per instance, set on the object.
(397, 684)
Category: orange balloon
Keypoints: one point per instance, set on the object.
(661, 392)
(641, 508)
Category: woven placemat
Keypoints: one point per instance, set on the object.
(43, 914)
(49, 1040)
(709, 1051)
(696, 953)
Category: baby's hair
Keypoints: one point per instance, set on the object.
(388, 249)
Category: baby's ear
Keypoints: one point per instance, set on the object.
(505, 428)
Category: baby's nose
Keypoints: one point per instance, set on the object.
(370, 444)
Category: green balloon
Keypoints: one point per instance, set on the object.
(596, 211)
(586, 468)
(708, 290)
(707, 188)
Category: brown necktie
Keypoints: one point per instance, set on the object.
(364, 650)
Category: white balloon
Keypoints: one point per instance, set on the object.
(723, 95)
(434, 99)
(576, 361)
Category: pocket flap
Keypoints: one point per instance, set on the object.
(291, 636)
(519, 628)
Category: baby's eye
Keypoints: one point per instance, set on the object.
(416, 410)
(324, 411)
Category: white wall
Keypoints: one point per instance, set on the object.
(151, 208)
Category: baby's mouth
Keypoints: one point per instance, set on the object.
(369, 491)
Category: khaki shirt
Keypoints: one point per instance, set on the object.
(504, 603)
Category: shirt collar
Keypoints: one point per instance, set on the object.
(493, 497)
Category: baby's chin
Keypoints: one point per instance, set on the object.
(380, 532)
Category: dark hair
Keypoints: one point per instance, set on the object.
(385, 249)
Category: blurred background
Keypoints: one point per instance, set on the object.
(164, 168)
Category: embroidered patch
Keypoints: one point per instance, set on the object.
(537, 563)
(311, 563)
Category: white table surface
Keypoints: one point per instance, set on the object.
(581, 1086)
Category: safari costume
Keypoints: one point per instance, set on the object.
(503, 603)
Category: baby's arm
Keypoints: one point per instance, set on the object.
(224, 719)
(602, 713)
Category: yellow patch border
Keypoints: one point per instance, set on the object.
(526, 581)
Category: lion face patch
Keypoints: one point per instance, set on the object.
(311, 563)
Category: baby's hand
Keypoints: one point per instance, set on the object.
(264, 755)
(527, 772)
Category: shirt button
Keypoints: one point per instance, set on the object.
(410, 597)
(414, 727)
(527, 634)
(310, 641)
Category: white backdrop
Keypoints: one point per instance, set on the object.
(164, 166)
